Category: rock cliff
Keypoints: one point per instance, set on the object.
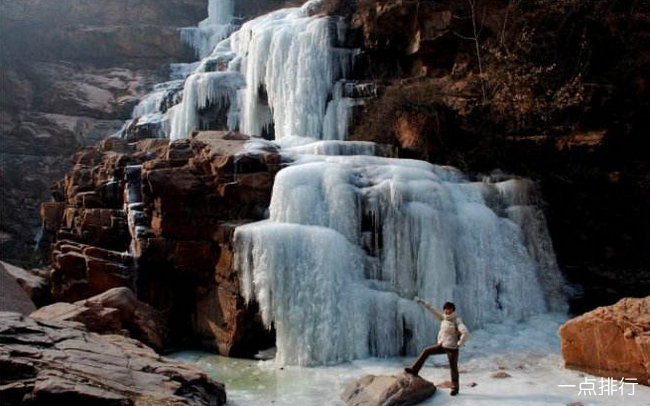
(71, 73)
(173, 208)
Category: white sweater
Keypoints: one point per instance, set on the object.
(450, 327)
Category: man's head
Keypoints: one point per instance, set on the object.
(448, 308)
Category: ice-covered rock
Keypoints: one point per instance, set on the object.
(352, 239)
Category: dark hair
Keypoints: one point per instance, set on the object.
(450, 306)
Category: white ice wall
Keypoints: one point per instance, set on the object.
(335, 291)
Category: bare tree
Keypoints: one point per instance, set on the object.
(476, 35)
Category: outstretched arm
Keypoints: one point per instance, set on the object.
(429, 308)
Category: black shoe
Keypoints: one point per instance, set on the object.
(454, 392)
(410, 371)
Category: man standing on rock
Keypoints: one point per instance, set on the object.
(451, 327)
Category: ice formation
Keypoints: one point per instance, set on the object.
(288, 56)
(351, 240)
(213, 29)
(279, 75)
(353, 237)
(203, 89)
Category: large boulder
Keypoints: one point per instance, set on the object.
(112, 312)
(396, 390)
(611, 341)
(48, 363)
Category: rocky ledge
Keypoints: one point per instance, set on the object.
(400, 390)
(47, 363)
(116, 311)
(611, 341)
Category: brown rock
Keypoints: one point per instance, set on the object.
(52, 215)
(99, 320)
(183, 248)
(404, 389)
(112, 312)
(71, 264)
(501, 375)
(104, 275)
(611, 341)
(53, 362)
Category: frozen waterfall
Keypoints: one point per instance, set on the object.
(279, 75)
(351, 240)
(213, 29)
(290, 68)
(351, 237)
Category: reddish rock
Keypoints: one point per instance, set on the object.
(113, 311)
(72, 265)
(401, 390)
(100, 320)
(52, 215)
(611, 341)
(100, 253)
(500, 375)
(104, 275)
(193, 193)
(80, 271)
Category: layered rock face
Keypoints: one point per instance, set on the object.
(55, 362)
(160, 218)
(71, 73)
(611, 341)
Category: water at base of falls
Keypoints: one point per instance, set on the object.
(352, 240)
(528, 351)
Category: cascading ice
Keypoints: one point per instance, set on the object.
(213, 29)
(203, 89)
(289, 56)
(351, 240)
(289, 67)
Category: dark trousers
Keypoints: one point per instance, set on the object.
(452, 354)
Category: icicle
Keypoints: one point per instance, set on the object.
(339, 114)
(203, 90)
